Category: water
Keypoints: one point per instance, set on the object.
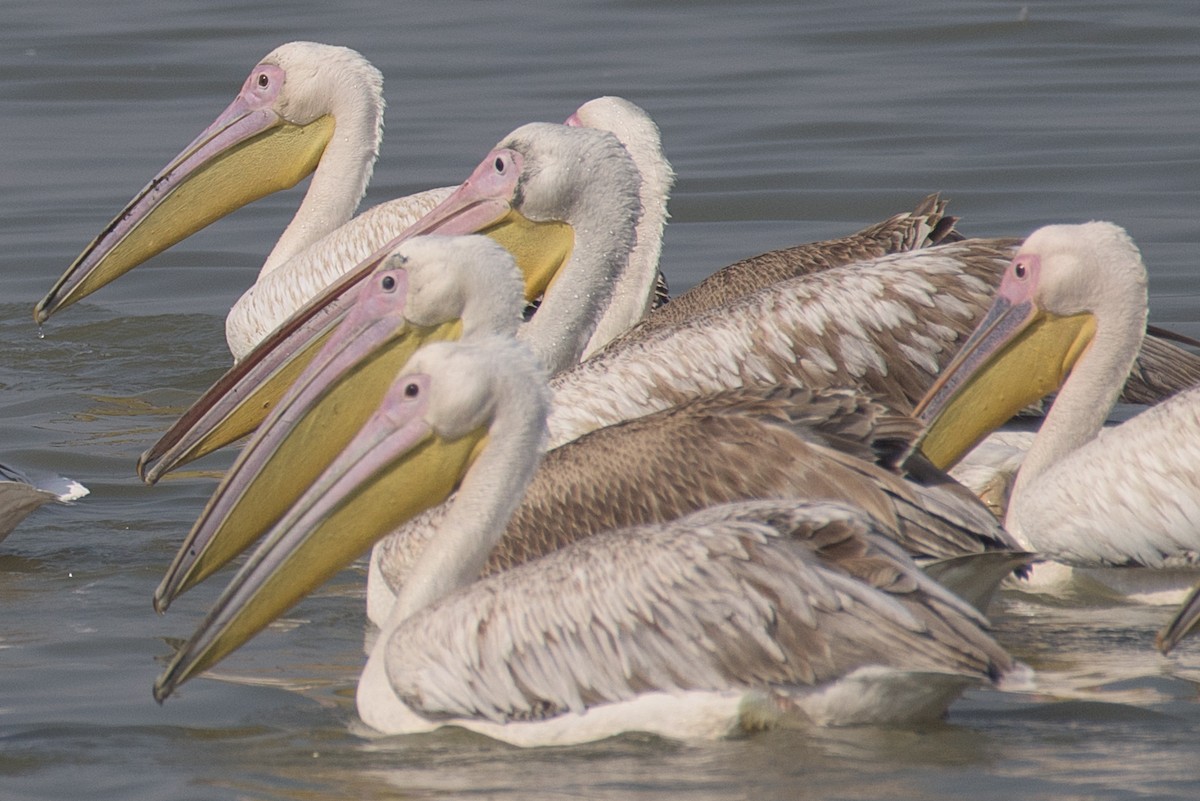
(785, 124)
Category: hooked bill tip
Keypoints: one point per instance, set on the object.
(40, 314)
(143, 463)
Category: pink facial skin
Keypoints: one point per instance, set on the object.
(248, 115)
(1008, 313)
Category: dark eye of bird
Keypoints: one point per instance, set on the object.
(388, 283)
(263, 80)
(500, 164)
(412, 390)
(1019, 270)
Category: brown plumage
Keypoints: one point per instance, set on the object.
(926, 225)
(744, 444)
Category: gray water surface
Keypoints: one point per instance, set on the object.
(786, 122)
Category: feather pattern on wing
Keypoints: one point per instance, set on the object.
(926, 225)
(744, 444)
(780, 595)
(885, 326)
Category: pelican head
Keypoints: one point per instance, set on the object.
(416, 448)
(271, 136)
(428, 289)
(537, 190)
(1065, 283)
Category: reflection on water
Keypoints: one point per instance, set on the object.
(783, 127)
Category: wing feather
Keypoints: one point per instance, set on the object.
(746, 444)
(743, 596)
(926, 225)
(840, 327)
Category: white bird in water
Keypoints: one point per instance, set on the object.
(20, 495)
(1120, 504)
(305, 108)
(737, 618)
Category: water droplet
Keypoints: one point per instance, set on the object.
(41, 333)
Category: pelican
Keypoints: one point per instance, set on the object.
(20, 495)
(1070, 316)
(305, 108)
(757, 442)
(740, 617)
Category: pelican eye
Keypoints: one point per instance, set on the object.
(263, 80)
(1019, 269)
(388, 283)
(412, 390)
(499, 165)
